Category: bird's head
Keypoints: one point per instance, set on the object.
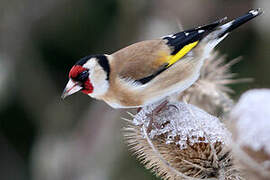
(89, 74)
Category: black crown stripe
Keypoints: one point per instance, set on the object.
(102, 61)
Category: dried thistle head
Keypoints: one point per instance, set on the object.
(210, 92)
(185, 143)
(250, 123)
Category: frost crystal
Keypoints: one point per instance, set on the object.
(183, 124)
(252, 113)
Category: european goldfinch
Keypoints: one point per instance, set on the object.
(152, 70)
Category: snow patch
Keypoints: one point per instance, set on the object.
(252, 116)
(183, 124)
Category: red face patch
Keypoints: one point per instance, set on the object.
(75, 71)
(88, 87)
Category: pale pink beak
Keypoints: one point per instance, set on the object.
(71, 88)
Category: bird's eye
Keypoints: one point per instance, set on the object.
(82, 76)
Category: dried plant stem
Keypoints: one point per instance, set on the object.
(129, 113)
(206, 158)
(214, 153)
(250, 126)
(166, 163)
(213, 150)
(189, 141)
(250, 162)
(127, 120)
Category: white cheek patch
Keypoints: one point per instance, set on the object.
(98, 79)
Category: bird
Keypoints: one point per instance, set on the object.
(152, 70)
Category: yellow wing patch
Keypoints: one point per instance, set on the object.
(181, 53)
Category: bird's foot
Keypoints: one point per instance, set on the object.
(155, 112)
(139, 109)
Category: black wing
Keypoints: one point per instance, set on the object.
(179, 40)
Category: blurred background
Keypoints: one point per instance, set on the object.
(45, 138)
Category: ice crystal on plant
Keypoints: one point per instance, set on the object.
(183, 124)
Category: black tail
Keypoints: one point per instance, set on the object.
(228, 27)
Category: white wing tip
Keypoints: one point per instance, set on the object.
(256, 12)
